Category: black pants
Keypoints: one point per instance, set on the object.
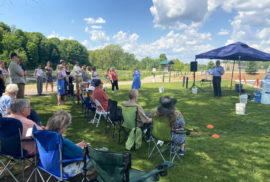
(216, 85)
(115, 84)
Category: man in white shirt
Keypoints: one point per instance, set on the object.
(78, 74)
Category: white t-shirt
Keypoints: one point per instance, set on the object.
(39, 72)
(77, 68)
(94, 75)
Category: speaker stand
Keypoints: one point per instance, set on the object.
(194, 85)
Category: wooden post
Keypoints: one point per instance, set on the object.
(183, 81)
(187, 83)
(169, 72)
(163, 76)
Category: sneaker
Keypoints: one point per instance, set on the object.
(148, 139)
(182, 152)
(112, 91)
(118, 91)
(92, 121)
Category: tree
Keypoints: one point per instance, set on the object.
(162, 57)
(178, 65)
(211, 64)
(32, 54)
(252, 67)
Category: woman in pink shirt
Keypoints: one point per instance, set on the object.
(114, 79)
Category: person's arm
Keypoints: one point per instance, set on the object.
(8, 111)
(17, 69)
(142, 115)
(51, 70)
(222, 71)
(92, 74)
(133, 74)
(35, 73)
(59, 76)
(92, 98)
(71, 150)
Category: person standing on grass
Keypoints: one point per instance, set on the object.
(84, 73)
(60, 84)
(136, 84)
(4, 73)
(70, 80)
(94, 75)
(78, 74)
(49, 78)
(39, 75)
(89, 73)
(114, 78)
(217, 73)
(17, 74)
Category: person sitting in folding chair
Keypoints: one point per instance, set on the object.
(59, 123)
(20, 109)
(176, 121)
(100, 95)
(83, 85)
(144, 117)
(92, 104)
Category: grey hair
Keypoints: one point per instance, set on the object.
(112, 68)
(18, 104)
(132, 94)
(59, 120)
(12, 88)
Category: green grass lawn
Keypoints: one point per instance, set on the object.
(241, 153)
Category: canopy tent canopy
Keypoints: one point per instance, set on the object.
(233, 51)
(236, 51)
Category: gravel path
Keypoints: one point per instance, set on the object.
(33, 92)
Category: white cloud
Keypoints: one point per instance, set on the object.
(121, 38)
(72, 21)
(102, 46)
(182, 26)
(187, 44)
(59, 37)
(99, 36)
(87, 44)
(96, 27)
(223, 32)
(92, 20)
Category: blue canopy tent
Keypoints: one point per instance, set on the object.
(236, 51)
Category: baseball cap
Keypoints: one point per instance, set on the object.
(90, 88)
(83, 83)
(62, 61)
(14, 54)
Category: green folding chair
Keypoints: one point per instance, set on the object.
(130, 121)
(116, 167)
(162, 131)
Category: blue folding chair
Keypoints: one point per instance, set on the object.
(11, 145)
(86, 99)
(50, 148)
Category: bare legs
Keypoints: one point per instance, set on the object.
(47, 86)
(51, 86)
(59, 100)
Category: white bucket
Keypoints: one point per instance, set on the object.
(243, 98)
(194, 90)
(161, 89)
(240, 108)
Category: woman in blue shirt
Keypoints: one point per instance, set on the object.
(59, 123)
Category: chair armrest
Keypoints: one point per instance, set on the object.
(166, 164)
(27, 140)
(72, 160)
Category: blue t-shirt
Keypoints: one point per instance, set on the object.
(23, 68)
(5, 103)
(71, 150)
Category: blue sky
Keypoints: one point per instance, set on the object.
(178, 28)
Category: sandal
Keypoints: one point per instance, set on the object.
(60, 104)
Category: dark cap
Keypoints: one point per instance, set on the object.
(166, 105)
(14, 54)
(61, 61)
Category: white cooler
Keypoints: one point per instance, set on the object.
(265, 92)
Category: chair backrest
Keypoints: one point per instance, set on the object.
(10, 137)
(50, 146)
(79, 92)
(161, 130)
(130, 116)
(110, 166)
(113, 109)
(99, 106)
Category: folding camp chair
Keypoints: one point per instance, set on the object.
(50, 147)
(11, 145)
(116, 166)
(86, 99)
(162, 131)
(101, 112)
(114, 117)
(129, 114)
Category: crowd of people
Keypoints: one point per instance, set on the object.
(20, 108)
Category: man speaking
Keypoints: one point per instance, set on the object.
(217, 73)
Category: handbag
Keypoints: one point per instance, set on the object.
(59, 88)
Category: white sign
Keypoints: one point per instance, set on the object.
(154, 69)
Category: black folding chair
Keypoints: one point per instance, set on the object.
(115, 117)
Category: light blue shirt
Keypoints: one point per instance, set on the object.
(216, 73)
(5, 103)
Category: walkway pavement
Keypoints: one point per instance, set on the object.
(33, 92)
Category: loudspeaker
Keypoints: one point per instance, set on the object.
(193, 65)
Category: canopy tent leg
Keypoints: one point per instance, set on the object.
(232, 73)
(240, 75)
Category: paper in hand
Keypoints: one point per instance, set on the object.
(29, 132)
(210, 71)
